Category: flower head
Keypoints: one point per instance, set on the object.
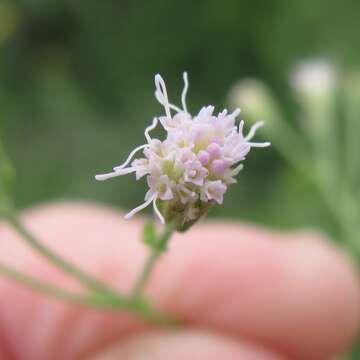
(193, 167)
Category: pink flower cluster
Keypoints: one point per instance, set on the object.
(194, 166)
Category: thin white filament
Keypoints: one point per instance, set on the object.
(253, 130)
(236, 112)
(241, 126)
(260, 144)
(161, 90)
(131, 155)
(161, 101)
(102, 177)
(140, 207)
(185, 90)
(157, 211)
(238, 168)
(150, 128)
(244, 146)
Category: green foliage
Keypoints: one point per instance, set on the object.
(6, 181)
(76, 90)
(76, 87)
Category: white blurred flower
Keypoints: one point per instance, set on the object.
(316, 77)
(256, 99)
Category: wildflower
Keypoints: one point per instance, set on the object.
(193, 167)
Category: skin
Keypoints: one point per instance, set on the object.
(244, 292)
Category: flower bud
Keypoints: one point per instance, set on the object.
(314, 80)
(256, 100)
(315, 83)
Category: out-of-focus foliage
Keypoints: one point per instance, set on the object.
(76, 88)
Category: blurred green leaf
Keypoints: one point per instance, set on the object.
(7, 176)
(352, 125)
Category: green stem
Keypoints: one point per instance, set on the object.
(101, 296)
(150, 262)
(347, 228)
(345, 214)
(51, 256)
(39, 285)
(99, 300)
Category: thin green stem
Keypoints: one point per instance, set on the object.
(151, 260)
(99, 300)
(101, 296)
(39, 285)
(347, 227)
(52, 257)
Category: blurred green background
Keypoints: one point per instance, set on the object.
(76, 89)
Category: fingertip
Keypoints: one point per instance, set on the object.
(295, 292)
(331, 285)
(184, 344)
